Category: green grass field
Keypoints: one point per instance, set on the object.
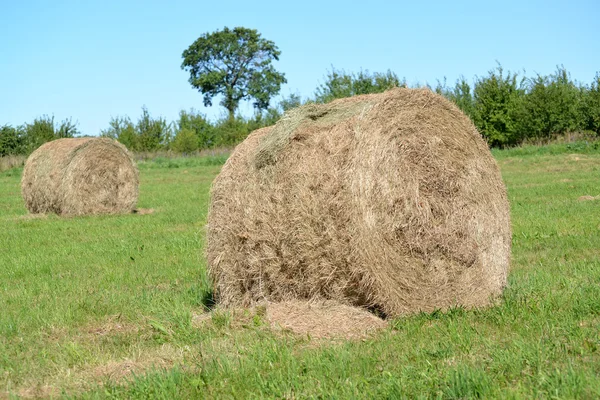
(108, 306)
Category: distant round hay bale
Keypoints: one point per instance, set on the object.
(80, 176)
(391, 202)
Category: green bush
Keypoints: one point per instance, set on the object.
(44, 129)
(229, 132)
(497, 104)
(11, 141)
(460, 94)
(339, 84)
(591, 105)
(153, 133)
(123, 130)
(148, 134)
(197, 123)
(552, 106)
(185, 141)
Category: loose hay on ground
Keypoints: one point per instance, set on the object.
(119, 371)
(390, 201)
(144, 211)
(587, 198)
(80, 176)
(317, 319)
(323, 319)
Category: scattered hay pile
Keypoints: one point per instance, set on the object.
(587, 197)
(325, 319)
(391, 202)
(80, 176)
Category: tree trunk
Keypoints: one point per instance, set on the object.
(231, 108)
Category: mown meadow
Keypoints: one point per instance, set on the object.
(114, 306)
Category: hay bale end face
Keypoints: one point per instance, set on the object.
(80, 176)
(391, 202)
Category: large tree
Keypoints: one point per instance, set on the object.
(234, 63)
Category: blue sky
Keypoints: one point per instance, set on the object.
(93, 60)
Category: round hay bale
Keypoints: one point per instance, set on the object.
(390, 201)
(80, 176)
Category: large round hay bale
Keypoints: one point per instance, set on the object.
(390, 201)
(80, 176)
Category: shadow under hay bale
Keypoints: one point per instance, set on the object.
(80, 176)
(391, 202)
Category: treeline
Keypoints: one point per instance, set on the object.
(24, 139)
(190, 132)
(507, 109)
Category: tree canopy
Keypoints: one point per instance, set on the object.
(235, 63)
